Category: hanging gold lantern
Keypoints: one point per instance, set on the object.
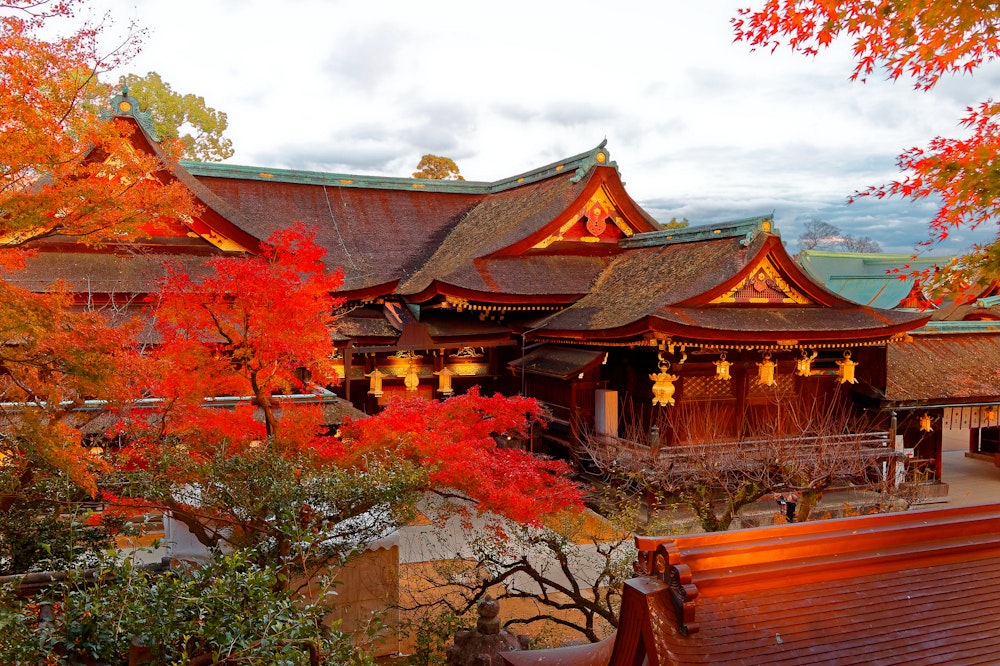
(765, 371)
(663, 384)
(845, 374)
(375, 383)
(412, 379)
(991, 414)
(444, 380)
(722, 367)
(803, 365)
(925, 423)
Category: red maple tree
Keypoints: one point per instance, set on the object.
(923, 41)
(455, 441)
(66, 170)
(235, 461)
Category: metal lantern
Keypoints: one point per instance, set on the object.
(722, 367)
(845, 374)
(375, 383)
(663, 384)
(412, 379)
(803, 366)
(444, 380)
(925, 423)
(765, 371)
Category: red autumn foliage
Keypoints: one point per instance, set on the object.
(247, 328)
(455, 440)
(924, 41)
(67, 171)
(253, 326)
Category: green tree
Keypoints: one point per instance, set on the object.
(433, 167)
(674, 223)
(186, 118)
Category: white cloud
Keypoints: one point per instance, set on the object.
(701, 127)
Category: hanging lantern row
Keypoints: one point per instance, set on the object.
(663, 387)
(411, 380)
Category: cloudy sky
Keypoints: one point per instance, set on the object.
(701, 128)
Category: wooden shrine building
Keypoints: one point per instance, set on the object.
(554, 283)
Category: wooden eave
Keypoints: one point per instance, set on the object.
(384, 290)
(651, 328)
(442, 290)
(600, 178)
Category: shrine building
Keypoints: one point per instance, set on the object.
(553, 283)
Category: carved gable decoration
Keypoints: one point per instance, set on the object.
(764, 284)
(598, 221)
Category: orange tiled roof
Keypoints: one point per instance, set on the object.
(917, 587)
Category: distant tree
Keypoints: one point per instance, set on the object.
(674, 223)
(820, 235)
(186, 118)
(433, 167)
(863, 245)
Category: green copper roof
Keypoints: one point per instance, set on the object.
(581, 164)
(748, 228)
(974, 326)
(876, 280)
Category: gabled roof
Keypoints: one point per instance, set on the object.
(402, 235)
(879, 280)
(221, 224)
(715, 283)
(579, 215)
(899, 588)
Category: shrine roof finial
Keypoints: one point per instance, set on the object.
(123, 105)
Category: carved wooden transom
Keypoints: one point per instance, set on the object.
(764, 284)
(598, 220)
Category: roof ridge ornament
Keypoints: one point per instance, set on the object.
(123, 105)
(597, 157)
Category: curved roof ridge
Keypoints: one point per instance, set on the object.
(581, 162)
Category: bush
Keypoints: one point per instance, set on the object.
(227, 610)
